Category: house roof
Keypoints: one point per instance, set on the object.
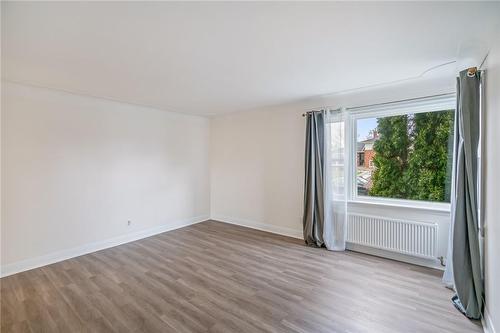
(361, 145)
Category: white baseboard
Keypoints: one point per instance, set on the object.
(487, 322)
(295, 233)
(284, 231)
(395, 256)
(54, 257)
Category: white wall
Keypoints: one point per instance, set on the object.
(492, 189)
(257, 168)
(75, 169)
(257, 161)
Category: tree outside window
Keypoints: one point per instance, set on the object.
(406, 156)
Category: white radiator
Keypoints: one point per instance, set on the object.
(408, 237)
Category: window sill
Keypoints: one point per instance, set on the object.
(427, 206)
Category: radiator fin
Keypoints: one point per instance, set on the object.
(408, 237)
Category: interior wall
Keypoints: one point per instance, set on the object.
(257, 161)
(257, 168)
(492, 189)
(76, 169)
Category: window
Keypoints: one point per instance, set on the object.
(361, 158)
(409, 156)
(401, 152)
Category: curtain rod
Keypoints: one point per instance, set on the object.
(312, 111)
(384, 103)
(399, 101)
(470, 71)
(306, 113)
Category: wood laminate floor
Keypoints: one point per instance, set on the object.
(216, 277)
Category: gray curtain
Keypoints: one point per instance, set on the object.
(314, 186)
(465, 248)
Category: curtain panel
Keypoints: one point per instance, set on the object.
(325, 205)
(464, 270)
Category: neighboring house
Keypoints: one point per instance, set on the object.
(364, 163)
(365, 152)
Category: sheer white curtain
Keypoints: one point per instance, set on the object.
(336, 174)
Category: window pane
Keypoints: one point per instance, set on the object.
(405, 157)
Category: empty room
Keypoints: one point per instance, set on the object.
(302, 167)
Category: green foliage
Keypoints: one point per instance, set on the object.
(413, 156)
(391, 157)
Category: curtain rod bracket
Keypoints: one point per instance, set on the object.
(471, 71)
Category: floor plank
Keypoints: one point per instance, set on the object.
(217, 277)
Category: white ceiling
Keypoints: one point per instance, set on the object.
(213, 58)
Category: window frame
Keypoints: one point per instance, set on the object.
(351, 115)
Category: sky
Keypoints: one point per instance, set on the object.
(365, 126)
